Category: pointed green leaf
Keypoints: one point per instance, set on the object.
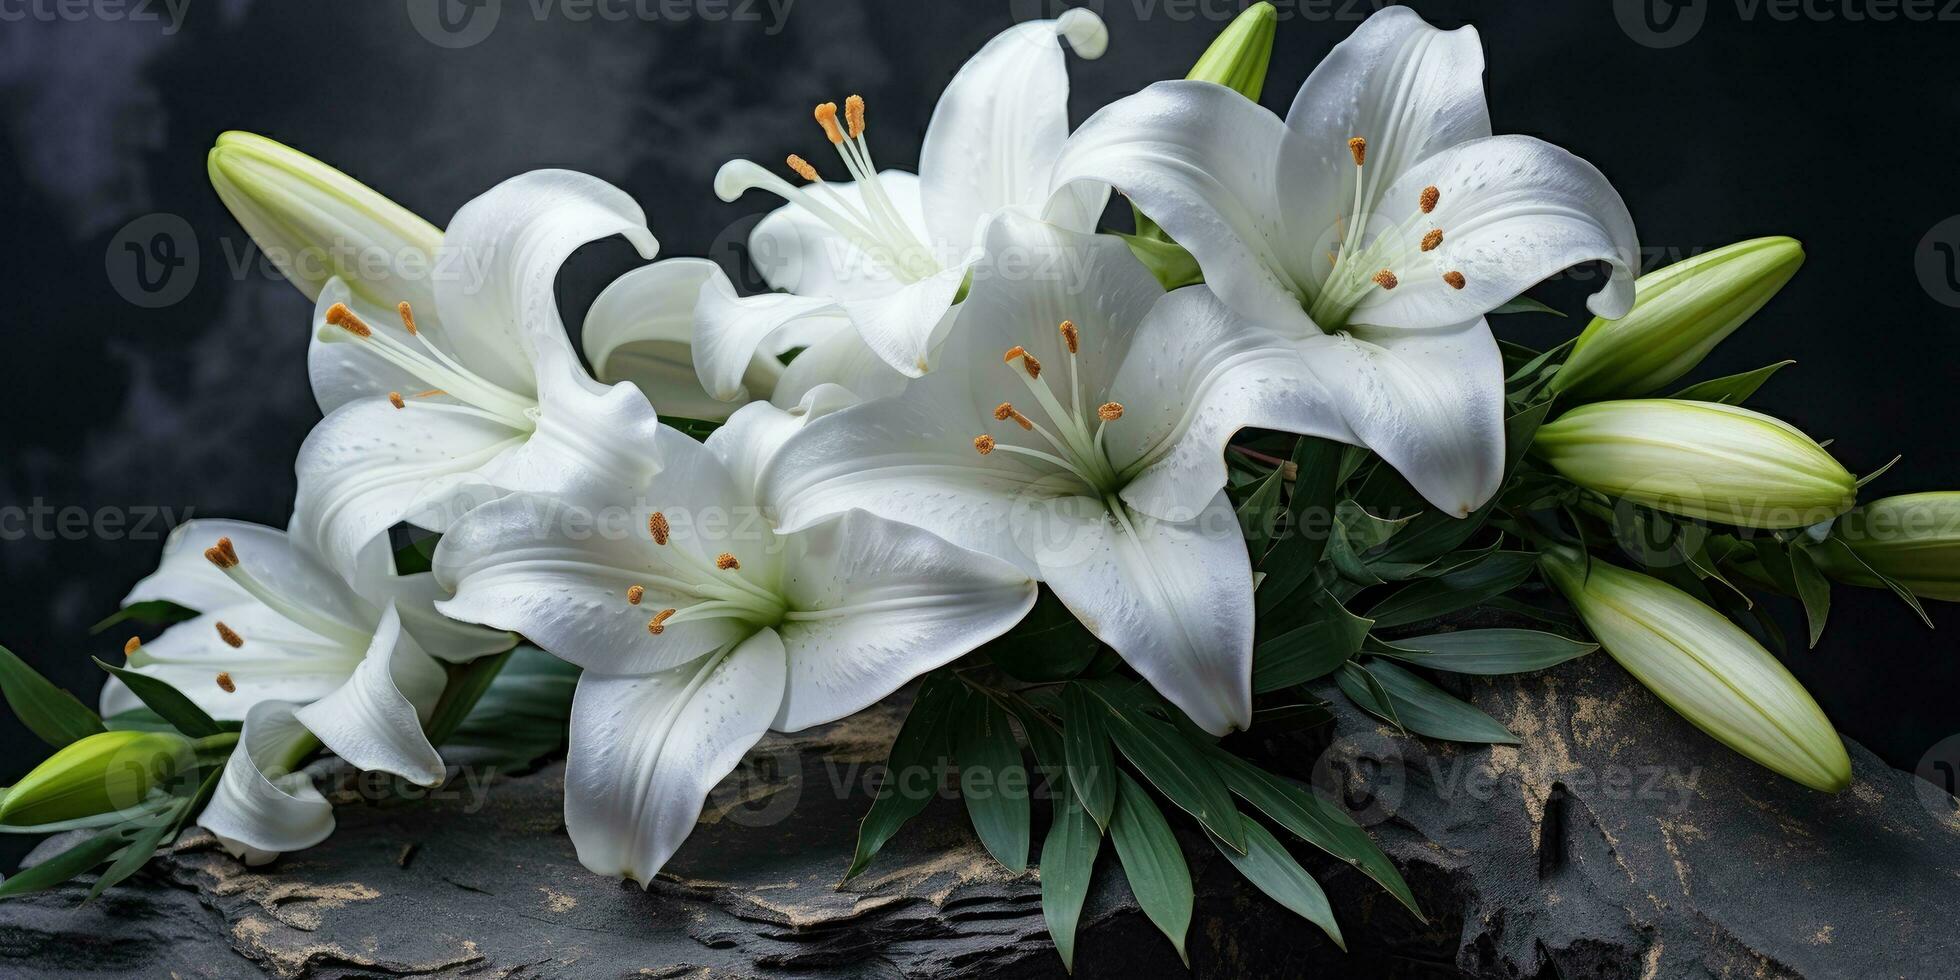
(1330, 636)
(1091, 759)
(993, 781)
(1814, 589)
(1461, 589)
(167, 701)
(154, 612)
(912, 768)
(1310, 520)
(1493, 651)
(1523, 304)
(1170, 761)
(1267, 864)
(1068, 859)
(1422, 707)
(1732, 390)
(1049, 644)
(48, 711)
(65, 865)
(1365, 689)
(147, 835)
(1153, 863)
(1260, 514)
(1314, 820)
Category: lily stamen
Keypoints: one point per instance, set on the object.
(295, 611)
(225, 683)
(634, 594)
(230, 636)
(481, 397)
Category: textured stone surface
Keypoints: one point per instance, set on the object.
(1616, 842)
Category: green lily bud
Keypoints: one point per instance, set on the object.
(1238, 57)
(1705, 667)
(102, 773)
(1913, 540)
(314, 222)
(1679, 314)
(1699, 459)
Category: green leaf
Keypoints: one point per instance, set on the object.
(521, 717)
(1049, 644)
(1731, 390)
(1310, 520)
(137, 720)
(1901, 591)
(154, 612)
(467, 683)
(1267, 864)
(696, 429)
(48, 711)
(178, 710)
(1314, 820)
(1068, 860)
(1493, 651)
(65, 865)
(923, 742)
(1091, 759)
(1152, 862)
(1330, 636)
(1260, 514)
(1523, 304)
(1173, 266)
(1461, 589)
(993, 781)
(148, 834)
(1422, 707)
(1170, 761)
(1814, 589)
(1365, 689)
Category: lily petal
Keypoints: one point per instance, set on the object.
(590, 438)
(903, 326)
(342, 373)
(736, 338)
(262, 807)
(646, 751)
(502, 253)
(1205, 163)
(369, 466)
(184, 576)
(757, 430)
(1429, 402)
(1000, 125)
(374, 721)
(558, 571)
(1196, 374)
(641, 329)
(278, 661)
(878, 603)
(1513, 210)
(1175, 600)
(841, 359)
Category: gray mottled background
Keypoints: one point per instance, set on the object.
(1717, 119)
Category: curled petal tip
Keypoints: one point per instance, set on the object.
(1084, 31)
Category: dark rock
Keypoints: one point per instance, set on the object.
(1616, 842)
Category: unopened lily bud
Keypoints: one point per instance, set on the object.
(1238, 57)
(1679, 314)
(1913, 540)
(1705, 667)
(314, 222)
(1699, 459)
(99, 774)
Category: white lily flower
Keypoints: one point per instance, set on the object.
(430, 411)
(1099, 445)
(276, 625)
(263, 806)
(890, 250)
(1374, 227)
(700, 627)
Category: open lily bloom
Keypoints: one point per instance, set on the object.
(263, 806)
(700, 627)
(1374, 227)
(1091, 458)
(642, 329)
(432, 409)
(276, 625)
(891, 250)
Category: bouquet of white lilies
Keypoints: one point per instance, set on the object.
(1114, 496)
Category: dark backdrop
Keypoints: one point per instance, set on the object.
(1730, 119)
